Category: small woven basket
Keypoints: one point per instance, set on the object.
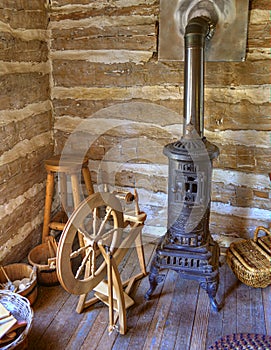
(250, 259)
(19, 271)
(38, 257)
(20, 308)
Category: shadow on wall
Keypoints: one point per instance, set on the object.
(124, 144)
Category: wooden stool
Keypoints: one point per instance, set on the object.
(71, 166)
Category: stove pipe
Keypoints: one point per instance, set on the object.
(197, 31)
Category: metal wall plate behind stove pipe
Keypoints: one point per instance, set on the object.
(230, 36)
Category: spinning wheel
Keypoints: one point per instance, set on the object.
(98, 222)
(77, 267)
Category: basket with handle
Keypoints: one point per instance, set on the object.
(250, 259)
(20, 308)
(39, 257)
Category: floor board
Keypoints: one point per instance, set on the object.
(177, 317)
(266, 292)
(160, 317)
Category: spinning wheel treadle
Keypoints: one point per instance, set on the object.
(98, 222)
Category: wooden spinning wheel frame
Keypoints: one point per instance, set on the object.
(92, 245)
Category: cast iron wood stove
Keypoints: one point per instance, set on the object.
(187, 247)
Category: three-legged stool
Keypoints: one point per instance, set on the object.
(72, 166)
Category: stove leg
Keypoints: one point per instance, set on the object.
(154, 278)
(211, 288)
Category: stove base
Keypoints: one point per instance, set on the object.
(193, 263)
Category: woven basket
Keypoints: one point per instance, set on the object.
(250, 259)
(20, 308)
(18, 272)
(38, 257)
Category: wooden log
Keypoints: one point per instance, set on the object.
(33, 18)
(146, 9)
(11, 171)
(141, 38)
(26, 51)
(23, 89)
(9, 133)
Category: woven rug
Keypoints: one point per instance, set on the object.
(243, 341)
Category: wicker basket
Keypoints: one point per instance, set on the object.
(250, 259)
(38, 257)
(18, 272)
(20, 308)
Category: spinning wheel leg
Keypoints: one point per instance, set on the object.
(82, 299)
(115, 287)
(121, 307)
(140, 253)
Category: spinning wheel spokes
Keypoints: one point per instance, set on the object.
(99, 217)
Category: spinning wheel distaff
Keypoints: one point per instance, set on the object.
(99, 223)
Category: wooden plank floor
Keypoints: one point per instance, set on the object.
(178, 316)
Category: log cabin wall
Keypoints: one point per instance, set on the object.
(25, 124)
(104, 53)
(102, 68)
